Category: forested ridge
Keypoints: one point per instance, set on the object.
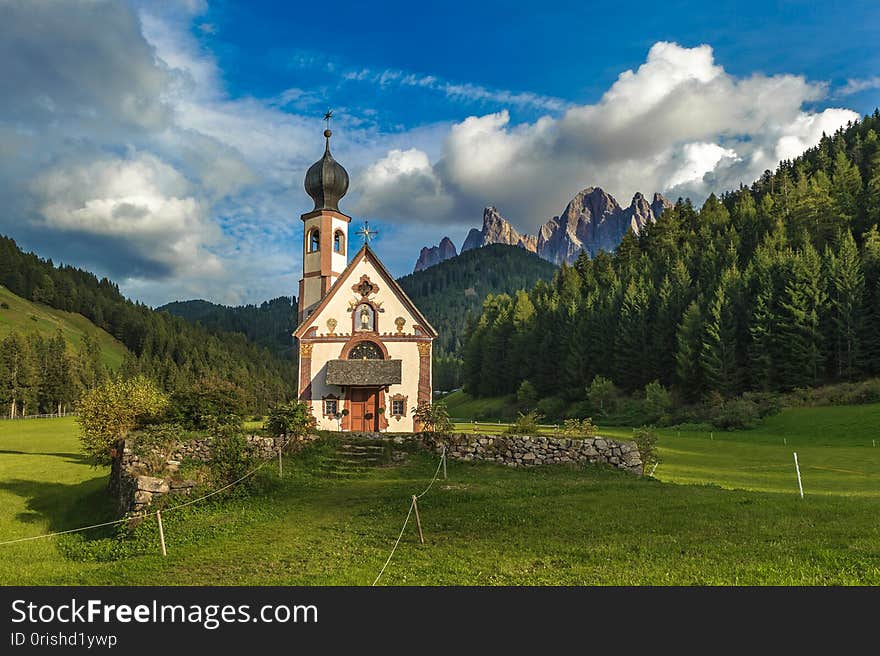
(770, 287)
(168, 349)
(450, 292)
(269, 324)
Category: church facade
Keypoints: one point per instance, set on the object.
(364, 347)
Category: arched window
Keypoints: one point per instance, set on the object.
(365, 351)
(364, 318)
(339, 242)
(314, 240)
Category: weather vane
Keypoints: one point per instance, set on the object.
(328, 116)
(365, 233)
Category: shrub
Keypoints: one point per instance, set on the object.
(231, 457)
(433, 417)
(293, 419)
(526, 396)
(551, 407)
(658, 403)
(733, 414)
(646, 440)
(579, 428)
(209, 403)
(4, 305)
(602, 394)
(108, 412)
(525, 424)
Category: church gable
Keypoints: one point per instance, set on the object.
(365, 299)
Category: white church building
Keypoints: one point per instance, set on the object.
(364, 347)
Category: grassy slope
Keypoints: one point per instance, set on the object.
(486, 525)
(464, 406)
(20, 315)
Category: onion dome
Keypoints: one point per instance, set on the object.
(326, 180)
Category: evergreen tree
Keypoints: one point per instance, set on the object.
(718, 357)
(846, 295)
(689, 340)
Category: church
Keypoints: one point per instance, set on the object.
(364, 347)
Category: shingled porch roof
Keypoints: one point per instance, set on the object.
(364, 372)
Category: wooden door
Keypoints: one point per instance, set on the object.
(363, 402)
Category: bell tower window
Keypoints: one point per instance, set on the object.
(339, 242)
(314, 241)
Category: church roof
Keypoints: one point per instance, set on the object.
(326, 180)
(366, 253)
(363, 372)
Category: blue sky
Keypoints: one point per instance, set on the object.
(164, 144)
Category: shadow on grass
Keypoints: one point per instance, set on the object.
(75, 458)
(65, 506)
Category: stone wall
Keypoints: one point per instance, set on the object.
(529, 451)
(522, 450)
(138, 479)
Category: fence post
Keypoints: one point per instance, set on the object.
(444, 462)
(161, 532)
(280, 468)
(418, 521)
(798, 470)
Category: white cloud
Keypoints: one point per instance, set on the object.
(679, 124)
(140, 200)
(858, 85)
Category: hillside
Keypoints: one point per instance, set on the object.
(28, 318)
(268, 325)
(169, 349)
(449, 292)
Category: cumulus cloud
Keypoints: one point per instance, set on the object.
(679, 124)
(139, 200)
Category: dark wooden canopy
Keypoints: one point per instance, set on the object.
(364, 372)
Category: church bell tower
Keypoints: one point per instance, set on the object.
(325, 229)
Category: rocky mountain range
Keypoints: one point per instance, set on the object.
(592, 221)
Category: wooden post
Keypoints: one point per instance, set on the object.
(161, 532)
(798, 469)
(280, 468)
(444, 462)
(418, 521)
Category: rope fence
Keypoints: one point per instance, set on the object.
(413, 506)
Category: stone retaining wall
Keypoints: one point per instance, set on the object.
(522, 450)
(136, 484)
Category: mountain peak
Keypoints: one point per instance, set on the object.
(435, 254)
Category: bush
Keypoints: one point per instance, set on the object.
(602, 394)
(293, 419)
(551, 407)
(108, 412)
(208, 404)
(4, 305)
(658, 403)
(525, 424)
(579, 428)
(526, 396)
(733, 414)
(433, 417)
(646, 440)
(231, 457)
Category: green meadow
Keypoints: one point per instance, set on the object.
(722, 508)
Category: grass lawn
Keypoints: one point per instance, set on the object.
(27, 318)
(486, 525)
